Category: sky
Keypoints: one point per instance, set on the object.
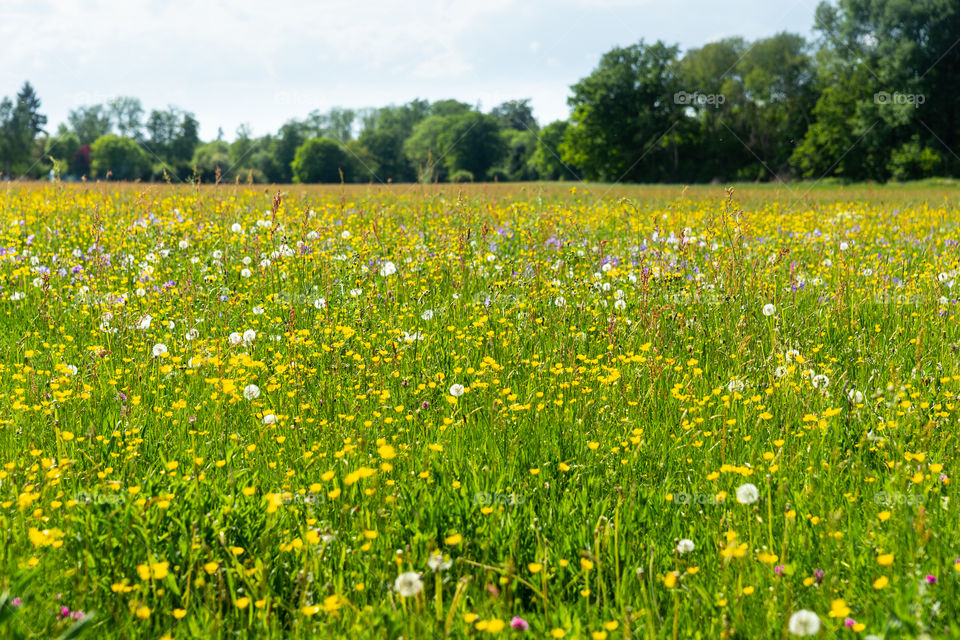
(263, 63)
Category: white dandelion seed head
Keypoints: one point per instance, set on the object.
(804, 623)
(747, 493)
(408, 584)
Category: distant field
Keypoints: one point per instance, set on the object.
(558, 410)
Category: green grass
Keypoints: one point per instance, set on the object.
(619, 388)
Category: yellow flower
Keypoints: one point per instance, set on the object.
(179, 613)
(880, 582)
(387, 452)
(839, 609)
(885, 560)
(496, 625)
(242, 603)
(558, 633)
(534, 567)
(453, 540)
(46, 537)
(143, 612)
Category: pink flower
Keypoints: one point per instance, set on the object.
(931, 579)
(849, 622)
(519, 624)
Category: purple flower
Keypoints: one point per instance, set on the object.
(519, 624)
(818, 575)
(778, 570)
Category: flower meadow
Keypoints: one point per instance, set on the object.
(552, 412)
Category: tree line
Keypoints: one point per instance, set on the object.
(873, 97)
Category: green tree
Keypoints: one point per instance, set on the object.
(121, 157)
(711, 84)
(321, 160)
(515, 114)
(472, 143)
(61, 150)
(384, 134)
(337, 123)
(20, 123)
(90, 122)
(517, 161)
(173, 136)
(210, 157)
(423, 148)
(624, 115)
(126, 114)
(362, 162)
(778, 80)
(897, 63)
(460, 141)
(289, 139)
(547, 155)
(449, 108)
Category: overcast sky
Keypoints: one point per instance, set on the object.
(263, 63)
